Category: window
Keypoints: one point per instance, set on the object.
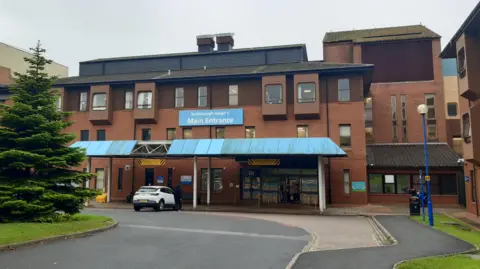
(171, 133)
(432, 131)
(344, 90)
(368, 109)
(473, 186)
(144, 100)
(146, 134)
(220, 132)
(466, 128)
(100, 179)
(306, 92)
(202, 96)
(58, 104)
(101, 135)
(83, 101)
(430, 103)
(369, 134)
(233, 95)
(302, 131)
(249, 132)
(402, 183)
(129, 100)
(457, 144)
(375, 183)
(394, 116)
(403, 102)
(179, 97)
(99, 101)
(216, 179)
(274, 94)
(120, 179)
(84, 135)
(389, 184)
(346, 181)
(461, 63)
(452, 109)
(187, 133)
(345, 135)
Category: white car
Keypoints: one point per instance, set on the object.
(157, 197)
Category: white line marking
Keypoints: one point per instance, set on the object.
(202, 231)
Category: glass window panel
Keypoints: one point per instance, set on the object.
(187, 133)
(344, 84)
(129, 100)
(100, 179)
(83, 101)
(403, 183)
(202, 96)
(302, 131)
(144, 100)
(274, 94)
(249, 132)
(458, 145)
(179, 97)
(306, 92)
(233, 95)
(452, 109)
(58, 104)
(346, 181)
(345, 136)
(171, 134)
(220, 132)
(432, 131)
(146, 134)
(99, 101)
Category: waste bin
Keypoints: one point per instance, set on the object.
(415, 205)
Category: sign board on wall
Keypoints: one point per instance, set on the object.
(152, 162)
(359, 186)
(160, 180)
(186, 180)
(260, 162)
(213, 117)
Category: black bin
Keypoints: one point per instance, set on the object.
(415, 205)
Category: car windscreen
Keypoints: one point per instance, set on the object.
(147, 190)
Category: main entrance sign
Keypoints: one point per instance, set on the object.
(219, 117)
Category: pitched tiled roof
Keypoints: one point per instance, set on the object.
(381, 34)
(411, 155)
(215, 72)
(195, 53)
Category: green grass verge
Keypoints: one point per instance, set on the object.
(449, 262)
(11, 233)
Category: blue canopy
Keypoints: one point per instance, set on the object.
(106, 148)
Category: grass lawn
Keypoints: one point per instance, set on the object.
(20, 232)
(450, 262)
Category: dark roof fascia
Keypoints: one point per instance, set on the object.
(194, 54)
(431, 168)
(447, 51)
(382, 41)
(342, 70)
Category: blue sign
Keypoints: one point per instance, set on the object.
(159, 179)
(359, 186)
(210, 117)
(467, 178)
(186, 180)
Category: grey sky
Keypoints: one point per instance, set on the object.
(74, 31)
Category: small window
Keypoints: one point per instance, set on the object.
(394, 107)
(220, 132)
(457, 144)
(120, 179)
(100, 179)
(129, 100)
(233, 95)
(369, 134)
(452, 109)
(249, 132)
(466, 128)
(346, 181)
(345, 135)
(171, 133)
(58, 104)
(99, 101)
(404, 132)
(461, 62)
(83, 101)
(306, 92)
(432, 131)
(146, 134)
(430, 103)
(368, 109)
(187, 133)
(101, 135)
(202, 96)
(302, 131)
(274, 94)
(179, 97)
(84, 135)
(403, 101)
(344, 90)
(389, 184)
(144, 100)
(375, 183)
(402, 183)
(395, 131)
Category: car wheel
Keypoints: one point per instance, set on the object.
(160, 206)
(137, 208)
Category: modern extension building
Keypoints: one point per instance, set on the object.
(464, 47)
(270, 124)
(407, 73)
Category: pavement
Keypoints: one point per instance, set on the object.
(415, 240)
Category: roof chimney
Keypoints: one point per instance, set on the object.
(205, 43)
(224, 41)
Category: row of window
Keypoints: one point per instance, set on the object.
(402, 183)
(306, 93)
(187, 133)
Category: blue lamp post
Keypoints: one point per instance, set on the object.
(422, 110)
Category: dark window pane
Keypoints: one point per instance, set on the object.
(84, 135)
(120, 179)
(403, 183)
(434, 184)
(274, 94)
(101, 135)
(375, 183)
(452, 109)
(448, 184)
(146, 134)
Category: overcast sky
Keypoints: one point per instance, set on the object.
(74, 31)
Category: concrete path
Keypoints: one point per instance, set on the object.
(415, 240)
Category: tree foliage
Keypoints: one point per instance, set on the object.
(36, 178)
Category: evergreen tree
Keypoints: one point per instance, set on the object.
(35, 162)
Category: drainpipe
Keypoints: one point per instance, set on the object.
(329, 189)
(133, 160)
(209, 168)
(474, 187)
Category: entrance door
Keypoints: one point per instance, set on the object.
(149, 176)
